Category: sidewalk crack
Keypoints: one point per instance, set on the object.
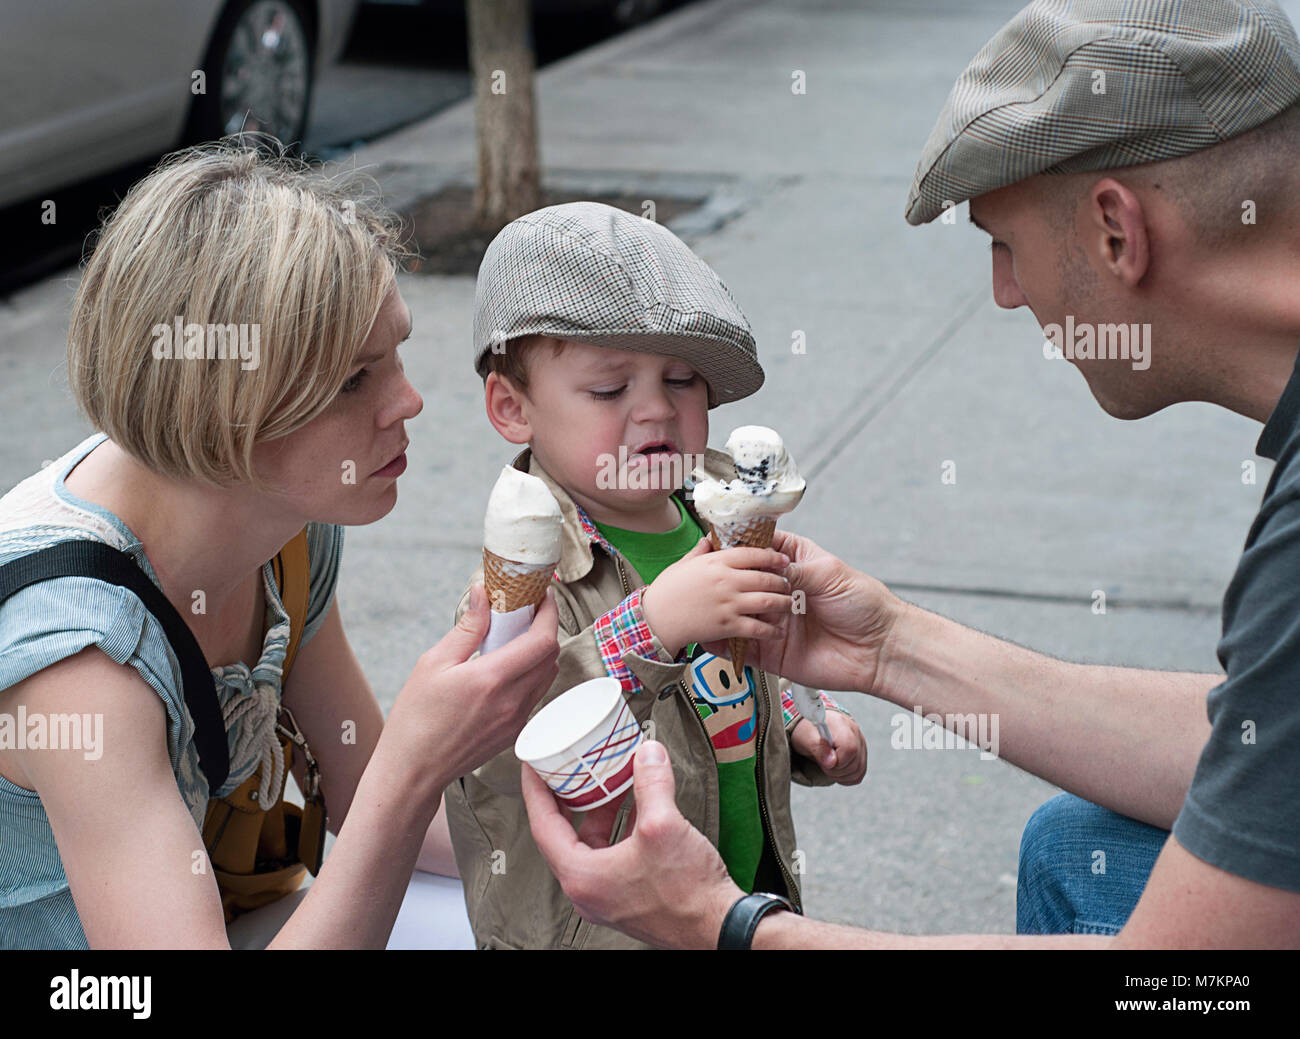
(876, 403)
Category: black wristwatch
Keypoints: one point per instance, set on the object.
(742, 918)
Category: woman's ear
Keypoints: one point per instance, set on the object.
(505, 409)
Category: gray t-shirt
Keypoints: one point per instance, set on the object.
(1242, 812)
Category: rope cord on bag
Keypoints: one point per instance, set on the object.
(259, 737)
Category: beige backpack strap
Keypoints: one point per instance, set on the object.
(245, 838)
(292, 569)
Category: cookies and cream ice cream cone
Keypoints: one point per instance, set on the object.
(742, 512)
(755, 533)
(521, 547)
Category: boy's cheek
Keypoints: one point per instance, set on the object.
(694, 426)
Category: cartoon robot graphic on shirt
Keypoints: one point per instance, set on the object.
(732, 716)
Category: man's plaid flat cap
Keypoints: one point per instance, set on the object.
(591, 273)
(1074, 85)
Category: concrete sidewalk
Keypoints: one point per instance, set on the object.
(908, 366)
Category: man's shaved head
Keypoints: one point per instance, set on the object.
(1208, 188)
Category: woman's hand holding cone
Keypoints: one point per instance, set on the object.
(473, 709)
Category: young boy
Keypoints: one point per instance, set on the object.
(603, 341)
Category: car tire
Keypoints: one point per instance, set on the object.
(254, 84)
(624, 14)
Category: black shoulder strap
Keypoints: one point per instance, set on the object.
(94, 559)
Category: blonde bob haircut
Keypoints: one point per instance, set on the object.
(224, 234)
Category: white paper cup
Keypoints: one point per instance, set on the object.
(582, 743)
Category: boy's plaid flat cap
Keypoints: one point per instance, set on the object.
(1073, 85)
(591, 273)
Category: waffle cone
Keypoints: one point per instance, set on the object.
(511, 585)
(755, 533)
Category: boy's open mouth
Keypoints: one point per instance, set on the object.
(656, 447)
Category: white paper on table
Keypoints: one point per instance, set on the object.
(432, 915)
(506, 626)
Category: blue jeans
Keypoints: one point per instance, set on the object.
(1082, 868)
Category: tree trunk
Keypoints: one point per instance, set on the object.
(501, 58)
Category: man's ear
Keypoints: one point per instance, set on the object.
(1117, 228)
(505, 409)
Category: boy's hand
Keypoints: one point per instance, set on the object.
(846, 762)
(708, 595)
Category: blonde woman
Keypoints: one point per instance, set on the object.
(204, 469)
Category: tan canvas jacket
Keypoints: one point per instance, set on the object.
(512, 897)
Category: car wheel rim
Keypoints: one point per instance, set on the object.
(264, 78)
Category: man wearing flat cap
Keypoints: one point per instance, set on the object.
(1136, 163)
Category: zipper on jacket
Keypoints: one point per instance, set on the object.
(790, 885)
(583, 928)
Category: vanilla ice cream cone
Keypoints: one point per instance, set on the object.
(512, 585)
(521, 548)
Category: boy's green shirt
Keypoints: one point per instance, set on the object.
(733, 710)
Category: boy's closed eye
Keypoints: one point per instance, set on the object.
(611, 394)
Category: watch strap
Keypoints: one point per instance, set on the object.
(742, 918)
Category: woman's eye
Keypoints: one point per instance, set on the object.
(354, 383)
(688, 381)
(606, 394)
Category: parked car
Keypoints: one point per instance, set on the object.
(617, 12)
(90, 86)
